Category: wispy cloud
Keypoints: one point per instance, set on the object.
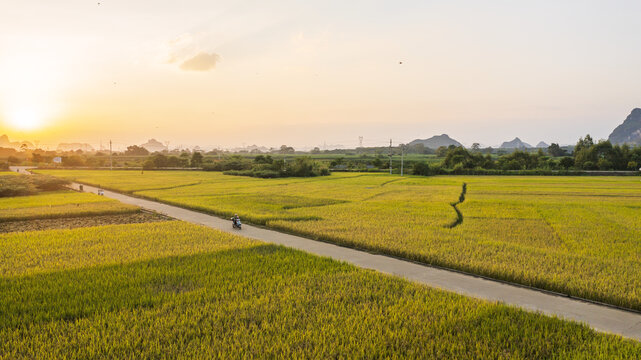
(201, 62)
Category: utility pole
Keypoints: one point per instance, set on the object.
(111, 158)
(402, 154)
(390, 156)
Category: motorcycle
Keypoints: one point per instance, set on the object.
(236, 224)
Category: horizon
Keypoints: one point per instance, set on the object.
(104, 146)
(229, 74)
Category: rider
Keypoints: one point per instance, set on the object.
(236, 219)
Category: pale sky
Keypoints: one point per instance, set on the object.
(227, 73)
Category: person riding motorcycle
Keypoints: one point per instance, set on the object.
(236, 221)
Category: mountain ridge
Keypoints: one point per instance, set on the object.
(628, 132)
(436, 141)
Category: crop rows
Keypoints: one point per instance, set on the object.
(59, 204)
(575, 235)
(174, 290)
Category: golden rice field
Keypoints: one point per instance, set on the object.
(575, 235)
(59, 204)
(175, 290)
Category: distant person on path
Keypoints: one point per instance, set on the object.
(236, 221)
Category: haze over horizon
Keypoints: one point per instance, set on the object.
(229, 73)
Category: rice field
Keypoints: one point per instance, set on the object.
(59, 204)
(175, 290)
(575, 235)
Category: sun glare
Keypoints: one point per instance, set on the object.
(27, 118)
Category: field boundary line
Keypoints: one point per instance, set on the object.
(459, 214)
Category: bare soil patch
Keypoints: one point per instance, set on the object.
(78, 222)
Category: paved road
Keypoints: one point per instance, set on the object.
(600, 318)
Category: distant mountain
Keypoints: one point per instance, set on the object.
(515, 144)
(542, 145)
(154, 145)
(5, 143)
(436, 141)
(630, 131)
(75, 146)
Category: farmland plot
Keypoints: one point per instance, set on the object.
(59, 204)
(175, 290)
(575, 235)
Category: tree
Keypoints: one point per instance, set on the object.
(196, 159)
(73, 160)
(13, 160)
(556, 150)
(566, 162)
(584, 143)
(476, 147)
(461, 158)
(284, 149)
(315, 150)
(423, 168)
(135, 150)
(378, 161)
(263, 159)
(441, 151)
(337, 161)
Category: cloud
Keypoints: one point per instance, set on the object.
(201, 62)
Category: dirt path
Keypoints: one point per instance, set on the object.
(599, 317)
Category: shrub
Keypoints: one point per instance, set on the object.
(22, 185)
(425, 169)
(300, 167)
(11, 185)
(48, 183)
(13, 160)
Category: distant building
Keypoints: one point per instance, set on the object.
(57, 160)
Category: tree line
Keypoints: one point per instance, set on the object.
(587, 155)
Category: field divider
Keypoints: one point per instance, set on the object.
(459, 214)
(600, 316)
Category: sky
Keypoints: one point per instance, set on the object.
(307, 73)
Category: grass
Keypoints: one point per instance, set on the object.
(59, 204)
(174, 290)
(574, 235)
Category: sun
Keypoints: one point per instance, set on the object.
(25, 118)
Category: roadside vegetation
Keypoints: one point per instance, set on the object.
(574, 235)
(21, 185)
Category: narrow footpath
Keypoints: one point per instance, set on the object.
(599, 317)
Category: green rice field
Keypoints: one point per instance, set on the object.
(175, 290)
(575, 235)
